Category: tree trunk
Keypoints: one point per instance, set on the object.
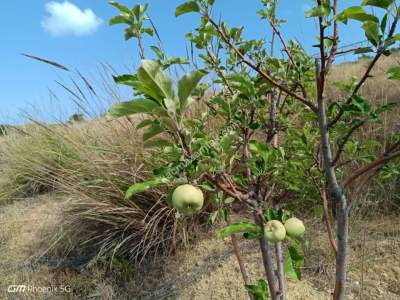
(335, 190)
(280, 269)
(267, 259)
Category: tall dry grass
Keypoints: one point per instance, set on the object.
(380, 194)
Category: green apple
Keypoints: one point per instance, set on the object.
(294, 227)
(274, 231)
(187, 199)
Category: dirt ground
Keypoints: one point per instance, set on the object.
(208, 270)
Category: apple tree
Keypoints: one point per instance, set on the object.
(267, 135)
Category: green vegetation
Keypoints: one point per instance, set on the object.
(278, 137)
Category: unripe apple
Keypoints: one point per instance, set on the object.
(274, 231)
(294, 227)
(187, 199)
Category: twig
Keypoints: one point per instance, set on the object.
(345, 140)
(360, 171)
(367, 72)
(335, 39)
(257, 67)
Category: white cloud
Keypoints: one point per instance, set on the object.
(66, 19)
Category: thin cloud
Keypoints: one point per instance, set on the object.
(66, 19)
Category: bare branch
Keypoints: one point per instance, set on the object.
(335, 39)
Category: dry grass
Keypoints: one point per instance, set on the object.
(93, 164)
(207, 271)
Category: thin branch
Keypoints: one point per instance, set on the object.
(348, 51)
(257, 67)
(360, 171)
(345, 140)
(220, 73)
(367, 72)
(335, 38)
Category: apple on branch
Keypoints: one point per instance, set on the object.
(274, 231)
(294, 227)
(187, 199)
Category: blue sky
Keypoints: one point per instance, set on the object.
(24, 82)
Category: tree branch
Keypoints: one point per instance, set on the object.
(360, 171)
(335, 39)
(257, 67)
(345, 140)
(367, 72)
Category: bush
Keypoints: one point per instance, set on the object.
(92, 164)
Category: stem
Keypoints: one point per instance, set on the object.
(280, 269)
(335, 189)
(267, 257)
(259, 220)
(140, 45)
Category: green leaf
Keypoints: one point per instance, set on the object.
(224, 214)
(208, 186)
(139, 11)
(359, 105)
(157, 144)
(394, 73)
(170, 105)
(378, 3)
(259, 291)
(384, 23)
(120, 7)
(293, 264)
(187, 85)
(371, 30)
(213, 217)
(129, 33)
(149, 31)
(119, 20)
(158, 52)
(154, 130)
(261, 149)
(131, 107)
(156, 83)
(144, 186)
(356, 13)
(237, 228)
(144, 123)
(317, 11)
(174, 60)
(187, 7)
(251, 235)
(223, 105)
(126, 79)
